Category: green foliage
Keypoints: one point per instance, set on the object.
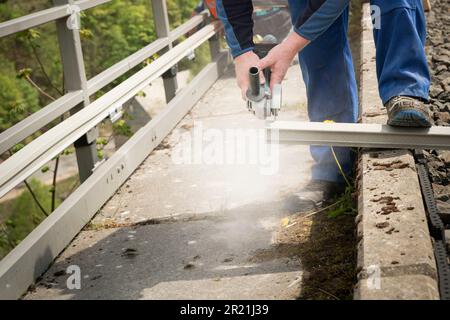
(17, 147)
(102, 141)
(141, 94)
(115, 30)
(344, 205)
(24, 73)
(26, 215)
(17, 97)
(68, 151)
(86, 34)
(202, 58)
(100, 154)
(120, 127)
(45, 169)
(180, 10)
(33, 34)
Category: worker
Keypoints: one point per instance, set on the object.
(270, 17)
(319, 39)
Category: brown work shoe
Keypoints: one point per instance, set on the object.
(315, 194)
(408, 112)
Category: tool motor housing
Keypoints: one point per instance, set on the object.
(261, 100)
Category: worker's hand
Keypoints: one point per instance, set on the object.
(242, 64)
(280, 57)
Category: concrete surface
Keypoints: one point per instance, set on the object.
(204, 259)
(415, 287)
(188, 227)
(395, 254)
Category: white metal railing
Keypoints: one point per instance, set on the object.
(44, 116)
(44, 16)
(41, 150)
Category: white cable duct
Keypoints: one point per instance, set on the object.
(358, 135)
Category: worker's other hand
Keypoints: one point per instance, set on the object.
(280, 57)
(242, 64)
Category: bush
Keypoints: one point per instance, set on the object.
(25, 216)
(17, 97)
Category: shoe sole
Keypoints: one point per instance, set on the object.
(410, 118)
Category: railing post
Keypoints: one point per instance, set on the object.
(75, 79)
(161, 19)
(214, 46)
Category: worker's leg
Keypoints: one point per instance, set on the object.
(402, 69)
(329, 77)
(400, 41)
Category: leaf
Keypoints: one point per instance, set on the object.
(122, 128)
(24, 73)
(86, 34)
(285, 222)
(101, 141)
(10, 223)
(67, 151)
(141, 94)
(17, 147)
(33, 34)
(45, 169)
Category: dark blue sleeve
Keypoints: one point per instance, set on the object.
(200, 7)
(236, 16)
(318, 16)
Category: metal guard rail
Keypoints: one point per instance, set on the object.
(52, 111)
(44, 16)
(41, 150)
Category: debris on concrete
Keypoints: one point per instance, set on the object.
(395, 253)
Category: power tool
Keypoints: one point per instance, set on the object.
(261, 100)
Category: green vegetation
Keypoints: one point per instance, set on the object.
(345, 203)
(17, 97)
(26, 213)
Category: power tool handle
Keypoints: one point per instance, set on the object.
(267, 75)
(261, 50)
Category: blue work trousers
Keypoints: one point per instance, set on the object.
(328, 73)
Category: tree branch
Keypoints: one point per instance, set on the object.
(11, 244)
(35, 198)
(55, 173)
(39, 88)
(41, 66)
